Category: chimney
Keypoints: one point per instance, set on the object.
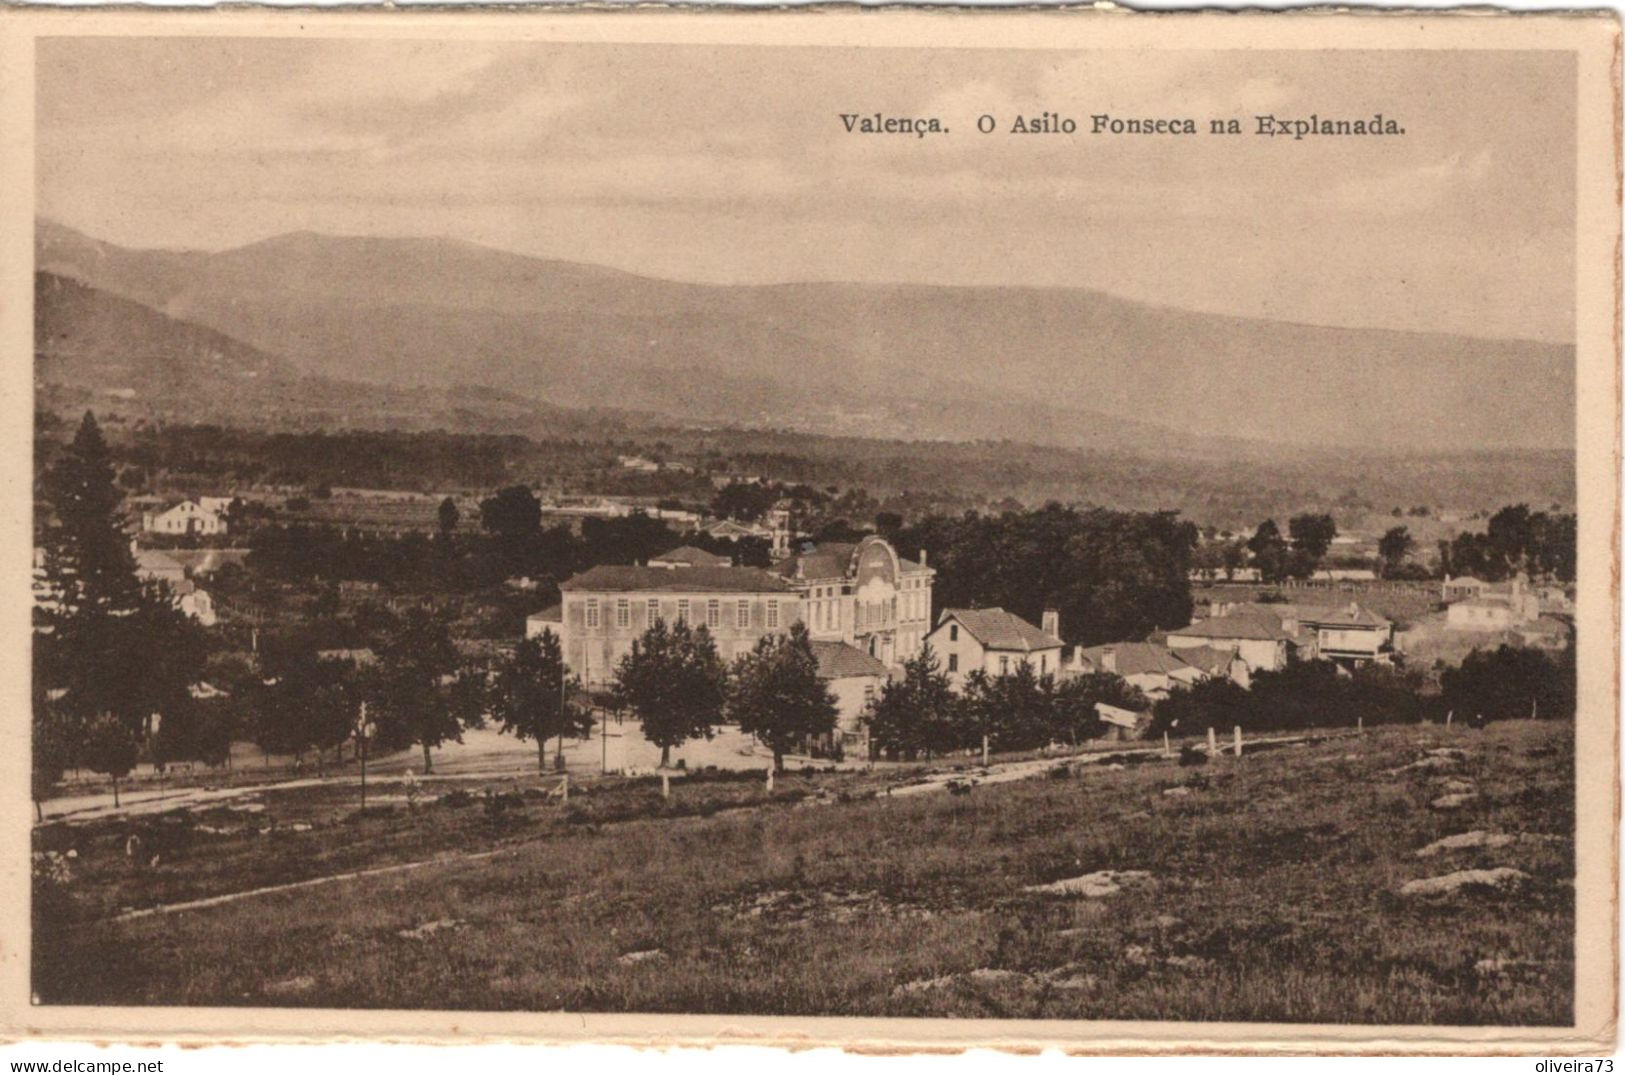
(1108, 659)
(1052, 623)
(922, 558)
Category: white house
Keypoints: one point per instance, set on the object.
(1259, 640)
(855, 679)
(995, 641)
(1498, 607)
(187, 517)
(194, 602)
(1154, 669)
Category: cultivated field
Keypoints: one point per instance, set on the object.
(1270, 887)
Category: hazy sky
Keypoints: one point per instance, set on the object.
(729, 164)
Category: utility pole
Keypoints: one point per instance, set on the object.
(361, 748)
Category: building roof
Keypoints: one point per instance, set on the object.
(1210, 659)
(156, 560)
(1465, 580)
(1247, 627)
(689, 556)
(1350, 615)
(832, 560)
(620, 578)
(1137, 658)
(207, 561)
(837, 660)
(995, 628)
(551, 614)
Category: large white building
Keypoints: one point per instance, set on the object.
(862, 595)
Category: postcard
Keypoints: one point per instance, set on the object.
(899, 529)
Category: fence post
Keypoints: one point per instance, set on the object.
(770, 779)
(984, 751)
(1212, 742)
(1447, 717)
(564, 789)
(1167, 750)
(1359, 726)
(1237, 729)
(665, 785)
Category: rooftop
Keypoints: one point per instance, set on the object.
(1137, 658)
(1246, 627)
(620, 578)
(997, 629)
(689, 556)
(837, 660)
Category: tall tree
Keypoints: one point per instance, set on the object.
(1394, 546)
(1312, 534)
(110, 747)
(88, 559)
(512, 514)
(676, 684)
(777, 695)
(417, 697)
(449, 517)
(529, 695)
(919, 713)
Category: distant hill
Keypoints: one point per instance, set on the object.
(1042, 365)
(93, 347)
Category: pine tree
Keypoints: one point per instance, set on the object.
(88, 560)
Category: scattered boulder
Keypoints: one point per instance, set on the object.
(291, 986)
(1092, 886)
(647, 955)
(1452, 786)
(1466, 840)
(1176, 792)
(1502, 877)
(1453, 802)
(428, 929)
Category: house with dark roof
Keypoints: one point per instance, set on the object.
(1260, 640)
(855, 679)
(995, 641)
(1152, 667)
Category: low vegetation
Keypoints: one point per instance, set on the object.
(827, 900)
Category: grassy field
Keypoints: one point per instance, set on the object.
(1266, 888)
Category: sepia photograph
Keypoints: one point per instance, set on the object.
(677, 516)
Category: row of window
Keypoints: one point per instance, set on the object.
(620, 612)
(1004, 663)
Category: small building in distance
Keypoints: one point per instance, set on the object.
(994, 641)
(186, 518)
(1464, 588)
(194, 601)
(156, 565)
(1261, 641)
(1496, 607)
(1349, 635)
(855, 679)
(1153, 668)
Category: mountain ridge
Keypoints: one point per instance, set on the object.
(1059, 366)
